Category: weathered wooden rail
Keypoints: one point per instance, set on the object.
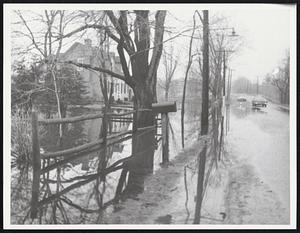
(76, 152)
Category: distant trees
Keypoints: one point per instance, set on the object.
(276, 85)
(243, 85)
(190, 61)
(281, 80)
(169, 62)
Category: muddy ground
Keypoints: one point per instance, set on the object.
(234, 195)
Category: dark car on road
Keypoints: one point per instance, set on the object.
(259, 101)
(242, 99)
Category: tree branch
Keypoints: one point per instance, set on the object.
(94, 26)
(99, 69)
(158, 38)
(30, 32)
(200, 16)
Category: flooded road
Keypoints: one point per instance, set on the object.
(263, 137)
(259, 139)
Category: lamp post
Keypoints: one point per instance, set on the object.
(233, 34)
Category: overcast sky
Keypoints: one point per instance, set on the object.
(264, 28)
(265, 31)
(267, 37)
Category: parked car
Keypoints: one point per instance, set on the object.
(259, 101)
(241, 99)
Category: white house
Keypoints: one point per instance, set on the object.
(88, 54)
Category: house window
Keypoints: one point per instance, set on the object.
(121, 88)
(80, 61)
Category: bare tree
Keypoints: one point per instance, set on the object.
(281, 80)
(46, 44)
(190, 60)
(104, 58)
(169, 61)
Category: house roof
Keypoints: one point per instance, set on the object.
(70, 49)
(95, 50)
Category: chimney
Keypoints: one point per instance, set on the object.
(88, 42)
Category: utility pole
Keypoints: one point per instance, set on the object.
(224, 71)
(257, 86)
(204, 116)
(223, 103)
(205, 81)
(247, 87)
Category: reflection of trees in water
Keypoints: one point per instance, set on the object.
(241, 111)
(72, 195)
(72, 206)
(91, 198)
(73, 135)
(21, 183)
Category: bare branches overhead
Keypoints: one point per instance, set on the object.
(158, 38)
(99, 69)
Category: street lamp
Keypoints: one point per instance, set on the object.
(233, 32)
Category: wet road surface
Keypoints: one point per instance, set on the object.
(260, 139)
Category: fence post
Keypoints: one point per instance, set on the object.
(36, 162)
(165, 137)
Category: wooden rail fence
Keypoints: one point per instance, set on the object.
(75, 152)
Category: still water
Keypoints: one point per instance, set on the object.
(82, 195)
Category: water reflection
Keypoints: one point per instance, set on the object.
(87, 187)
(21, 183)
(242, 110)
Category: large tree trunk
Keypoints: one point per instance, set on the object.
(143, 142)
(204, 116)
(144, 75)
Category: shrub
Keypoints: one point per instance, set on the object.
(21, 149)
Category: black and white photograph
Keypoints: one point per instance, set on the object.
(157, 116)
